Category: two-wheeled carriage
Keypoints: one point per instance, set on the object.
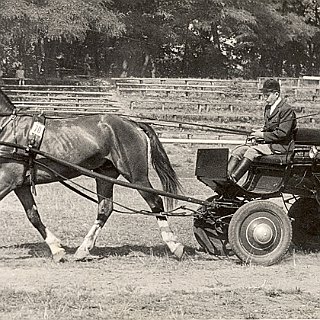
(244, 218)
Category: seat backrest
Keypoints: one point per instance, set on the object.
(307, 136)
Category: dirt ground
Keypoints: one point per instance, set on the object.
(136, 277)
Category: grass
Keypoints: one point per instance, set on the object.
(129, 303)
(137, 277)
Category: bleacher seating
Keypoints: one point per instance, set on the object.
(63, 98)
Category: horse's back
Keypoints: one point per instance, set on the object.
(95, 137)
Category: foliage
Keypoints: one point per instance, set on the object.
(198, 38)
(27, 24)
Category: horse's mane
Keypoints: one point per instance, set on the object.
(4, 99)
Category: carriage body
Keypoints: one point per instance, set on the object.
(247, 216)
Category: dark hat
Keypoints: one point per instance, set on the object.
(271, 85)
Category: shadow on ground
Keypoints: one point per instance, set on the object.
(41, 250)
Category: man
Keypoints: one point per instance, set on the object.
(276, 137)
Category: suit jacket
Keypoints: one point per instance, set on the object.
(279, 127)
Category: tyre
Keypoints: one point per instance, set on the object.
(260, 232)
(305, 214)
(212, 233)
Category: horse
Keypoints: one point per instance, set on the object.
(107, 144)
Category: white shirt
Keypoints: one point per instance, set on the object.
(274, 105)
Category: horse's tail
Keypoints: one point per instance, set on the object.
(161, 164)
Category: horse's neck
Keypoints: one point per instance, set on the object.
(6, 106)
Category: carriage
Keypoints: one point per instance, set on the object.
(245, 220)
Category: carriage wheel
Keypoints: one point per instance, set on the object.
(212, 236)
(306, 224)
(260, 232)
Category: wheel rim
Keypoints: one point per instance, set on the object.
(260, 233)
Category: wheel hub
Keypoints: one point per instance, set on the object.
(262, 233)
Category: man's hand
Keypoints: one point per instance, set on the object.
(258, 134)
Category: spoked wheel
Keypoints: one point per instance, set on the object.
(210, 233)
(260, 232)
(305, 214)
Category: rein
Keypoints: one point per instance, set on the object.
(209, 127)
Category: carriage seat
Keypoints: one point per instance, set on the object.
(307, 136)
(278, 159)
(302, 137)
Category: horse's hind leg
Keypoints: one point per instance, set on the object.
(169, 237)
(26, 198)
(105, 207)
(156, 204)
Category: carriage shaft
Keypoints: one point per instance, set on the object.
(92, 174)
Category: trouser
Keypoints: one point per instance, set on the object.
(251, 152)
(242, 156)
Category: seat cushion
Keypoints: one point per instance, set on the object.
(307, 136)
(279, 159)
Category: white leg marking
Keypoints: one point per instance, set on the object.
(170, 239)
(55, 246)
(88, 242)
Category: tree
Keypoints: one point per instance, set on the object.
(28, 26)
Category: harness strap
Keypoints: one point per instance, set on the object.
(11, 118)
(34, 140)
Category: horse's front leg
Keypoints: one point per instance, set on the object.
(26, 198)
(105, 207)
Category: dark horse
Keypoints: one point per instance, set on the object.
(107, 144)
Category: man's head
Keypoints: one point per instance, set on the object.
(271, 90)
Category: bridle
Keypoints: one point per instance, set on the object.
(12, 117)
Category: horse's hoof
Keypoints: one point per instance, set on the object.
(81, 255)
(59, 256)
(179, 251)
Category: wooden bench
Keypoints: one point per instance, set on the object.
(201, 106)
(186, 81)
(56, 87)
(219, 93)
(63, 98)
(57, 92)
(313, 92)
(64, 103)
(67, 109)
(57, 98)
(121, 85)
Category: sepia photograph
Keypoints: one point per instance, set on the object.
(159, 159)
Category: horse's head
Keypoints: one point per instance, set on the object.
(5, 103)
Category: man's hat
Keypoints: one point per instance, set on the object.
(271, 85)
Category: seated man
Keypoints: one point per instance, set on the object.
(276, 137)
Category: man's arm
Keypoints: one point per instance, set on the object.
(284, 128)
